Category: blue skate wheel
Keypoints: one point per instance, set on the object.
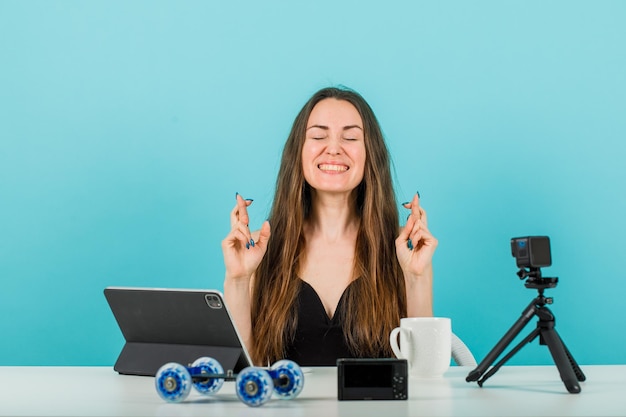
(254, 386)
(209, 366)
(288, 379)
(173, 382)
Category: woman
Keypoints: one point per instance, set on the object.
(334, 273)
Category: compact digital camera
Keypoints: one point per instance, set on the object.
(372, 379)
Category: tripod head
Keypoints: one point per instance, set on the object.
(535, 280)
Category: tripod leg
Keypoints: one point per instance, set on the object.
(579, 373)
(561, 359)
(527, 314)
(509, 355)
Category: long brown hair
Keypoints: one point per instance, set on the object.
(376, 301)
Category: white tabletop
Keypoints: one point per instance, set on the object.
(513, 391)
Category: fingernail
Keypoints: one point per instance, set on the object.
(251, 242)
(249, 199)
(247, 245)
(418, 194)
(236, 195)
(409, 244)
(405, 203)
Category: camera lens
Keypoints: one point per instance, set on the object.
(213, 301)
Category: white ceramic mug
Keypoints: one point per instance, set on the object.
(425, 342)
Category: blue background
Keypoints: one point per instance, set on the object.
(127, 127)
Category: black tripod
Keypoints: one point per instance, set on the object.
(568, 368)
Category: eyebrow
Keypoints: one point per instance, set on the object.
(327, 128)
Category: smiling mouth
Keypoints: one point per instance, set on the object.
(333, 168)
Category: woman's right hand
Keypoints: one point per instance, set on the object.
(243, 251)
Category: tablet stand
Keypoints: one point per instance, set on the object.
(569, 370)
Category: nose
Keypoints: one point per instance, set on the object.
(334, 146)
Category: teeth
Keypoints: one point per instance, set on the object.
(337, 168)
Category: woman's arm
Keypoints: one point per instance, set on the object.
(415, 247)
(237, 298)
(419, 294)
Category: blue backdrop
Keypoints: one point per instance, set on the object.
(127, 127)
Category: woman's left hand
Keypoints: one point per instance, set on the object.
(415, 245)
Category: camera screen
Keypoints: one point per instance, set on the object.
(370, 376)
(541, 252)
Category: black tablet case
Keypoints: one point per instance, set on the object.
(172, 325)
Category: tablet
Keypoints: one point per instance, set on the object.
(163, 325)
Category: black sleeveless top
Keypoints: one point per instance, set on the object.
(319, 339)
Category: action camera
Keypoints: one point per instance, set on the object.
(531, 251)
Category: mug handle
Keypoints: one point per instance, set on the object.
(393, 340)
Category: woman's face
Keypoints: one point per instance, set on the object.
(333, 155)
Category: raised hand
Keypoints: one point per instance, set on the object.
(415, 245)
(243, 250)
